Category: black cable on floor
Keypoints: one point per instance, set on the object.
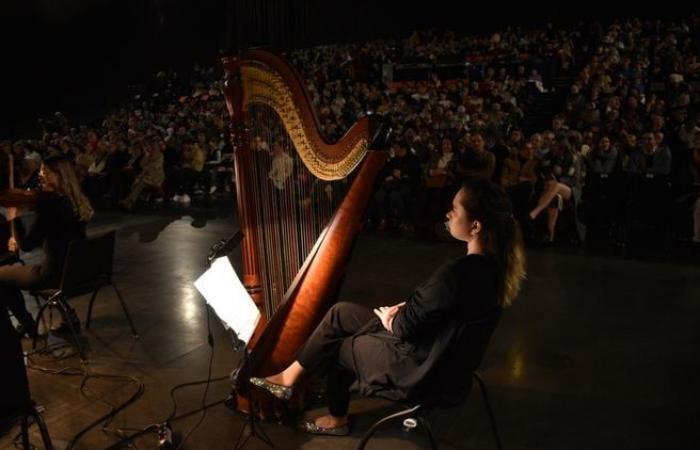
(107, 418)
(87, 375)
(172, 417)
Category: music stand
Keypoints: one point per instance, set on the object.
(224, 292)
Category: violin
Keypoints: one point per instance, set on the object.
(16, 197)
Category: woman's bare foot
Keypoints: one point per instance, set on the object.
(288, 376)
(278, 379)
(329, 421)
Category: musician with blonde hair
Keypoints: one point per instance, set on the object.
(62, 211)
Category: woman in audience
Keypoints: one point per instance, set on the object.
(558, 184)
(440, 180)
(152, 174)
(519, 178)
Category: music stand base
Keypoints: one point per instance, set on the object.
(256, 432)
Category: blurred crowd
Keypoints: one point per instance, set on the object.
(621, 157)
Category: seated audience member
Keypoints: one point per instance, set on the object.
(152, 174)
(192, 166)
(651, 161)
(93, 182)
(603, 194)
(649, 168)
(440, 181)
(496, 146)
(519, 178)
(400, 183)
(477, 162)
(603, 159)
(559, 181)
(117, 160)
(125, 176)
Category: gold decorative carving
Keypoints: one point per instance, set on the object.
(268, 88)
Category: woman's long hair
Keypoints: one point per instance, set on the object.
(69, 186)
(487, 203)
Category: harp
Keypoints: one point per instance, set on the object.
(300, 200)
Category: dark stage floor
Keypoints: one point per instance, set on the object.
(598, 352)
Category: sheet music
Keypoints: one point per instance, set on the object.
(227, 296)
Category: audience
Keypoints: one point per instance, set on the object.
(628, 132)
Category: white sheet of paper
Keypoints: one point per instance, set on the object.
(224, 291)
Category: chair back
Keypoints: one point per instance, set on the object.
(450, 381)
(88, 265)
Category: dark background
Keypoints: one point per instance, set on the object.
(80, 55)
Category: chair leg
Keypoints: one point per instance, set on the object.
(63, 309)
(407, 412)
(429, 432)
(39, 316)
(26, 445)
(134, 333)
(89, 314)
(43, 429)
(487, 403)
(38, 307)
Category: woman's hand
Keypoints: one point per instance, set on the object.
(12, 245)
(12, 213)
(387, 313)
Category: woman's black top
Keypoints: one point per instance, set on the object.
(56, 225)
(436, 315)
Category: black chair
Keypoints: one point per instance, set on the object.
(87, 269)
(470, 342)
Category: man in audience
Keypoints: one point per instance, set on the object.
(477, 162)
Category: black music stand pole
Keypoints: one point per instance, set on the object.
(220, 249)
(256, 431)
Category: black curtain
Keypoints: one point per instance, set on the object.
(288, 24)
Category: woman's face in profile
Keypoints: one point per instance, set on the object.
(49, 179)
(458, 222)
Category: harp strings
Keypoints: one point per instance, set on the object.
(292, 206)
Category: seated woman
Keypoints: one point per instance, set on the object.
(560, 181)
(152, 174)
(519, 177)
(61, 215)
(392, 349)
